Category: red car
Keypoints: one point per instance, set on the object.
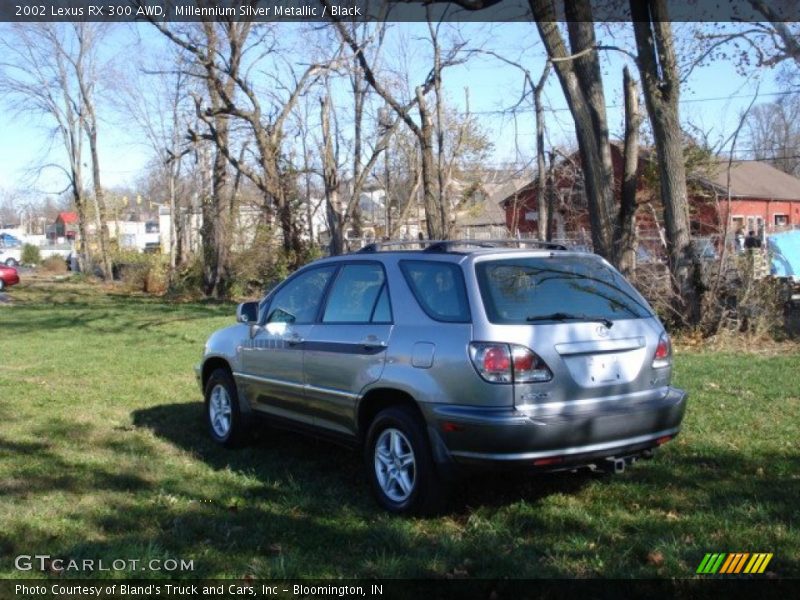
(8, 276)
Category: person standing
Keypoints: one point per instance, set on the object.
(751, 241)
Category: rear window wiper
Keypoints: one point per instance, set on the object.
(560, 316)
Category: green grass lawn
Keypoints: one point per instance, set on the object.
(104, 454)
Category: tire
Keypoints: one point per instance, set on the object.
(10, 262)
(400, 465)
(223, 415)
(2, 285)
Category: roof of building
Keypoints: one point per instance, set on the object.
(754, 179)
(489, 211)
(68, 217)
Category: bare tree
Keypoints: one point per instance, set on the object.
(37, 77)
(364, 156)
(626, 244)
(224, 54)
(661, 85)
(578, 71)
(773, 133)
(436, 213)
(84, 67)
(158, 102)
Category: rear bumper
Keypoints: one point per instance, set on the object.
(476, 435)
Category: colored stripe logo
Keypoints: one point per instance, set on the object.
(734, 563)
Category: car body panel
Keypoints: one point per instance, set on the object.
(510, 435)
(339, 361)
(271, 361)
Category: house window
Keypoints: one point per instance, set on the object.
(781, 220)
(737, 223)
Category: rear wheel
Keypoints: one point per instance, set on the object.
(2, 285)
(10, 262)
(224, 417)
(400, 466)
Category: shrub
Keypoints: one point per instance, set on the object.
(260, 266)
(30, 255)
(140, 272)
(188, 279)
(253, 270)
(54, 265)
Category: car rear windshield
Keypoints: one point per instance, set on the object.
(524, 290)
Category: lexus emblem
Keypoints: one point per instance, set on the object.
(602, 331)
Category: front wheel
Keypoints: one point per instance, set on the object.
(10, 262)
(400, 466)
(225, 421)
(2, 285)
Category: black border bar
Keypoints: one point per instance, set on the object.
(369, 10)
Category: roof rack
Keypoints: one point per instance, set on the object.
(433, 246)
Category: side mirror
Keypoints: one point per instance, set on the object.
(247, 312)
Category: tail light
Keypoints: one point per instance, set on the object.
(663, 356)
(508, 363)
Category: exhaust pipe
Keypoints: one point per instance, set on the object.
(619, 465)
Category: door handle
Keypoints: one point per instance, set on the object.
(372, 341)
(294, 339)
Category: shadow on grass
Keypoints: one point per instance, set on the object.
(328, 481)
(290, 506)
(277, 452)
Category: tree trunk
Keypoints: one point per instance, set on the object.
(330, 180)
(661, 84)
(173, 228)
(543, 222)
(581, 82)
(215, 232)
(625, 233)
(435, 214)
(99, 198)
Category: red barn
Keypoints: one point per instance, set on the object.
(762, 199)
(66, 225)
(570, 219)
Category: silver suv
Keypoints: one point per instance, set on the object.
(453, 354)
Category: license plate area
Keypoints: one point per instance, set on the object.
(603, 369)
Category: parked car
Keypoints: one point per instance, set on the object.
(8, 277)
(454, 355)
(9, 241)
(10, 256)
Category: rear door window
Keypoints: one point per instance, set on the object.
(358, 296)
(524, 290)
(439, 289)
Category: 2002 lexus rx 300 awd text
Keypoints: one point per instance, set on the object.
(454, 354)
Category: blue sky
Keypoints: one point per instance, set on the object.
(712, 100)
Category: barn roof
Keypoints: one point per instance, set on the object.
(68, 217)
(754, 179)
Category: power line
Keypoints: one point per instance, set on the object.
(686, 101)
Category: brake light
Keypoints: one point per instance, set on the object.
(663, 356)
(508, 363)
(496, 360)
(528, 367)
